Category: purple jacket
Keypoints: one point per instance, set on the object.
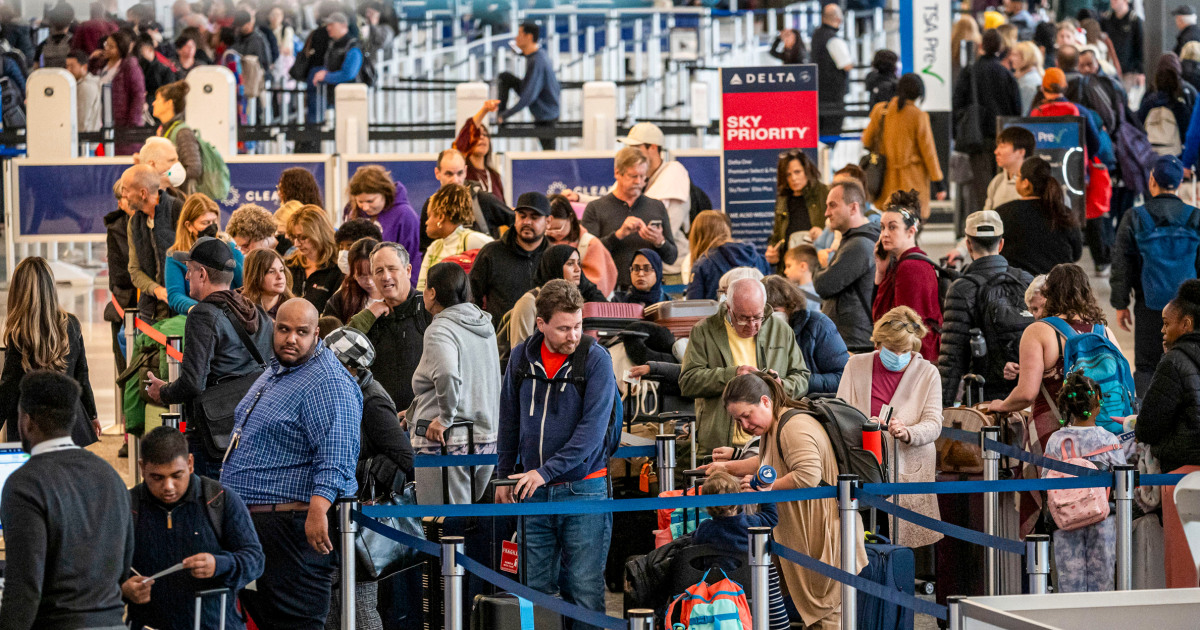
(399, 224)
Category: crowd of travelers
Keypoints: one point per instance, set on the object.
(326, 349)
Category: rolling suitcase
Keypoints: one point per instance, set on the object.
(224, 601)
(680, 316)
(609, 317)
(894, 567)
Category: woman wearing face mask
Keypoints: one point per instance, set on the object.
(904, 274)
(798, 448)
(645, 277)
(376, 197)
(358, 289)
(268, 282)
(558, 261)
(799, 204)
(199, 217)
(170, 101)
(449, 215)
(898, 376)
(315, 274)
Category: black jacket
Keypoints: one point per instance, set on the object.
(398, 341)
(960, 316)
(120, 284)
(1189, 34)
(847, 286)
(151, 247)
(1170, 417)
(997, 94)
(881, 86)
(1029, 241)
(1126, 36)
(318, 287)
(1127, 260)
(213, 352)
(832, 81)
(385, 448)
(503, 271)
(77, 368)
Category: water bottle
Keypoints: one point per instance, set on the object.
(764, 477)
(978, 344)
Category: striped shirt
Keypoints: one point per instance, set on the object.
(296, 434)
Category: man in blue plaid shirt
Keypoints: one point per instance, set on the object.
(292, 454)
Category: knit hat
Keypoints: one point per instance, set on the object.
(351, 347)
(1054, 81)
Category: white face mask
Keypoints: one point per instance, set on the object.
(344, 262)
(176, 175)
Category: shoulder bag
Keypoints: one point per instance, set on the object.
(213, 410)
(968, 128)
(379, 556)
(874, 163)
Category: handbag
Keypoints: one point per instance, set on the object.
(380, 556)
(874, 163)
(214, 409)
(968, 128)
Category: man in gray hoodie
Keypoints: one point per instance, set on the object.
(457, 380)
(847, 284)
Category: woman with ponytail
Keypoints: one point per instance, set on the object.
(1170, 417)
(796, 445)
(1040, 229)
(902, 133)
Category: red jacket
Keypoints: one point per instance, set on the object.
(913, 283)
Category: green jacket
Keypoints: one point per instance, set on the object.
(708, 366)
(814, 199)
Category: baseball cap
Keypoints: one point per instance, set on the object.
(993, 19)
(984, 224)
(535, 201)
(1167, 172)
(241, 18)
(351, 347)
(337, 17)
(210, 252)
(1055, 80)
(644, 133)
(1183, 9)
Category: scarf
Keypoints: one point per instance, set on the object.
(237, 306)
(655, 294)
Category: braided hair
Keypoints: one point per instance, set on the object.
(1078, 399)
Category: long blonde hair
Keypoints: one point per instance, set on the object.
(195, 206)
(313, 223)
(36, 325)
(709, 229)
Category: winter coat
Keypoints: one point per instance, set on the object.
(120, 284)
(399, 224)
(846, 286)
(397, 338)
(1127, 258)
(148, 253)
(814, 199)
(907, 143)
(708, 367)
(823, 350)
(913, 283)
(994, 87)
(128, 100)
(707, 272)
(1170, 417)
(82, 431)
(502, 272)
(881, 86)
(385, 445)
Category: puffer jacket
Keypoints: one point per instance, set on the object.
(823, 350)
(847, 285)
(1170, 417)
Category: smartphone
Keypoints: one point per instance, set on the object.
(885, 415)
(421, 427)
(879, 251)
(657, 223)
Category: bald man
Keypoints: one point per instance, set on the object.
(291, 456)
(832, 55)
(159, 154)
(151, 232)
(740, 338)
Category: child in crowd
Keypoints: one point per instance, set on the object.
(729, 530)
(799, 265)
(1086, 557)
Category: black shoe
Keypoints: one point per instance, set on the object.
(124, 452)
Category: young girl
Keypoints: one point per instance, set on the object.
(729, 530)
(1085, 557)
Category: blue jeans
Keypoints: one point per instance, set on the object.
(577, 543)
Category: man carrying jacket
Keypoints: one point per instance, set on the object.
(847, 284)
(557, 428)
(742, 337)
(1164, 208)
(505, 269)
(179, 517)
(965, 300)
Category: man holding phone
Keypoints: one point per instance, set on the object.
(626, 220)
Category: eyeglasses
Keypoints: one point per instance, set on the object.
(641, 269)
(900, 325)
(738, 320)
(296, 238)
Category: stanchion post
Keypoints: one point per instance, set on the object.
(172, 420)
(1124, 481)
(665, 450)
(1037, 563)
(135, 443)
(452, 576)
(848, 508)
(348, 528)
(640, 619)
(991, 508)
(953, 615)
(173, 366)
(760, 577)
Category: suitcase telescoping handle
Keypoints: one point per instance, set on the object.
(458, 424)
(691, 479)
(224, 593)
(685, 417)
(512, 483)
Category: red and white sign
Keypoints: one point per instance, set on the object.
(508, 557)
(769, 120)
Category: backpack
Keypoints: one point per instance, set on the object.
(1098, 197)
(1076, 508)
(945, 276)
(1001, 314)
(368, 74)
(7, 50)
(843, 424)
(55, 50)
(704, 606)
(12, 104)
(1135, 155)
(1163, 131)
(579, 378)
(465, 258)
(1100, 360)
(213, 495)
(1168, 253)
(214, 173)
(254, 79)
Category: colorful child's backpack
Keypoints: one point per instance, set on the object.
(1076, 508)
(704, 606)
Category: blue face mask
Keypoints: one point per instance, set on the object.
(893, 362)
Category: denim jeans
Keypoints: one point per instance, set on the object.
(577, 543)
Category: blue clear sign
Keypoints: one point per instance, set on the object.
(256, 182)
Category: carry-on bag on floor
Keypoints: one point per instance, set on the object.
(966, 458)
(609, 316)
(427, 479)
(223, 595)
(894, 567)
(681, 316)
(951, 555)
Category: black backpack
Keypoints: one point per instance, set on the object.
(1001, 314)
(843, 424)
(945, 276)
(211, 492)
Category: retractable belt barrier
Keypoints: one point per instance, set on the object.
(491, 459)
(150, 332)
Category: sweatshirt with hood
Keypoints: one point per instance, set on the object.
(458, 378)
(847, 285)
(549, 427)
(707, 272)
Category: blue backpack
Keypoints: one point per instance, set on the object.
(1168, 254)
(1100, 360)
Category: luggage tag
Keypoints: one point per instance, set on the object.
(644, 478)
(1126, 437)
(509, 556)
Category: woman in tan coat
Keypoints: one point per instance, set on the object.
(897, 375)
(799, 449)
(907, 143)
